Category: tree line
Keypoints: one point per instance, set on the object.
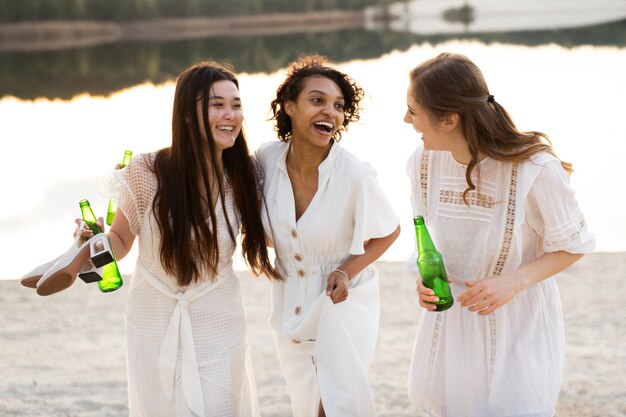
(123, 10)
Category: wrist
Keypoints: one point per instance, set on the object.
(343, 273)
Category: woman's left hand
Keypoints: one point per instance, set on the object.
(337, 287)
(489, 294)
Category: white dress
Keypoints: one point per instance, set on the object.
(509, 363)
(324, 348)
(186, 347)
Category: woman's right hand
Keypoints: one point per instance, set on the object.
(82, 230)
(426, 296)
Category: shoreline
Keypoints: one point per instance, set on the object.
(64, 34)
(65, 354)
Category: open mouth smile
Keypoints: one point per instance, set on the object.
(325, 127)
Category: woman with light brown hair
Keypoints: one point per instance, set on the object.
(500, 209)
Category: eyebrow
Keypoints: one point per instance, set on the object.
(323, 93)
(222, 98)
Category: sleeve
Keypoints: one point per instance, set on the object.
(554, 214)
(413, 171)
(128, 188)
(373, 215)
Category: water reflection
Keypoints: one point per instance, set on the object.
(54, 150)
(105, 69)
(437, 17)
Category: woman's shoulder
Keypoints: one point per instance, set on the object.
(142, 163)
(271, 148)
(542, 158)
(352, 166)
(414, 157)
(140, 172)
(269, 152)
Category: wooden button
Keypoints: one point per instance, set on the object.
(301, 273)
(298, 310)
(294, 234)
(298, 257)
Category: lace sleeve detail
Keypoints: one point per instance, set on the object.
(558, 217)
(132, 188)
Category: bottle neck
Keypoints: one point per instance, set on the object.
(127, 158)
(90, 218)
(424, 241)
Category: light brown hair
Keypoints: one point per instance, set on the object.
(452, 83)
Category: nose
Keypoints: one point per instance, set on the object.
(407, 118)
(229, 113)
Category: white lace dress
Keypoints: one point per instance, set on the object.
(508, 363)
(325, 349)
(187, 350)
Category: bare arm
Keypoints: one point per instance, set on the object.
(487, 295)
(120, 236)
(337, 286)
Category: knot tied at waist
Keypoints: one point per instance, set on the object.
(180, 332)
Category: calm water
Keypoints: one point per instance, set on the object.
(53, 149)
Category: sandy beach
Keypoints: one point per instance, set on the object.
(63, 355)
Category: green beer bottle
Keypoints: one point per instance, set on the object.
(430, 264)
(128, 155)
(111, 278)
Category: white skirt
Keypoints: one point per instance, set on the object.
(507, 364)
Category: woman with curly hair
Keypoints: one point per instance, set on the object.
(328, 220)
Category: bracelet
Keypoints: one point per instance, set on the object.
(340, 271)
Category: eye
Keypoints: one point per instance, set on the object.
(317, 100)
(410, 111)
(216, 104)
(339, 106)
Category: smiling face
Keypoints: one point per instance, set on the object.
(432, 132)
(318, 112)
(225, 114)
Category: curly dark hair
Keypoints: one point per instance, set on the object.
(307, 66)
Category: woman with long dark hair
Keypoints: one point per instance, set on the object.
(186, 204)
(501, 211)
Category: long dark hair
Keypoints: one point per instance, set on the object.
(189, 244)
(307, 66)
(452, 83)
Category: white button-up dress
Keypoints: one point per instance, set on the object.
(325, 349)
(187, 349)
(508, 363)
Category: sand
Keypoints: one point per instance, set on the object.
(63, 355)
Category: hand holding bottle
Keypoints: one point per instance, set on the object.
(128, 155)
(82, 229)
(430, 264)
(426, 296)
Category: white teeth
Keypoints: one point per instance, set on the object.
(327, 124)
(225, 128)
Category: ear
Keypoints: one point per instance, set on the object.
(289, 107)
(450, 121)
